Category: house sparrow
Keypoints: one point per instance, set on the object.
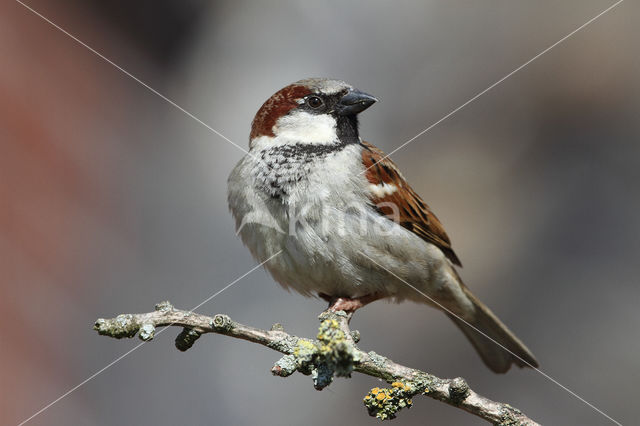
(345, 222)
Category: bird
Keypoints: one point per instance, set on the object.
(335, 218)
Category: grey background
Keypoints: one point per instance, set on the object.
(536, 182)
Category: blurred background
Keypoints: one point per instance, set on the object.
(112, 200)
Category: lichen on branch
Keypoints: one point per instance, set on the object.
(333, 353)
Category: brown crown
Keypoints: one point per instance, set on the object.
(275, 107)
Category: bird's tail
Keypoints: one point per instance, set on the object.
(494, 356)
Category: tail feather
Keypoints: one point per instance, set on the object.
(494, 356)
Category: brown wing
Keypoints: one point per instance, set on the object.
(391, 189)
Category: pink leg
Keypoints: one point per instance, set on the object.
(349, 305)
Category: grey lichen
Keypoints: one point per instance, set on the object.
(221, 322)
(333, 354)
(165, 306)
(147, 332)
(378, 360)
(186, 339)
(277, 327)
(287, 344)
(329, 314)
(123, 325)
(334, 349)
(304, 353)
(509, 416)
(424, 383)
(285, 366)
(384, 403)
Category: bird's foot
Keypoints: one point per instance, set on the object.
(348, 305)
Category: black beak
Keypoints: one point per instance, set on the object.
(354, 102)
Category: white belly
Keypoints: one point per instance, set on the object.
(331, 242)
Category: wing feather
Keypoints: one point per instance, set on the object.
(389, 188)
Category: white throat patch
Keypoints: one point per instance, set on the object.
(302, 127)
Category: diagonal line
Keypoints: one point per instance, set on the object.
(496, 83)
(145, 85)
(236, 280)
(70, 391)
(548, 377)
(97, 373)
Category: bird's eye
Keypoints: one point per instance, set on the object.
(314, 102)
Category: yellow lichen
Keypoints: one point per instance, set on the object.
(401, 386)
(304, 348)
(384, 403)
(331, 355)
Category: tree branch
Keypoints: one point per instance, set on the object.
(333, 353)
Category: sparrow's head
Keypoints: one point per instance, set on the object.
(311, 111)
